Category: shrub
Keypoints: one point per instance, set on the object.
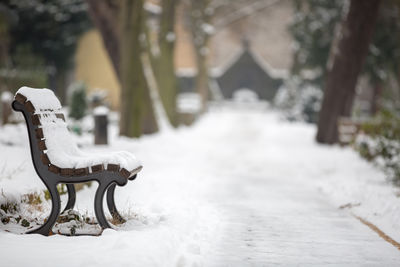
(299, 102)
(379, 142)
(78, 102)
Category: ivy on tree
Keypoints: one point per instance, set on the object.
(78, 102)
(314, 27)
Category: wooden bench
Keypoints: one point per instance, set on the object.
(57, 159)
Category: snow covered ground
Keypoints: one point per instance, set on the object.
(239, 188)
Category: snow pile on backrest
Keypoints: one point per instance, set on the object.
(41, 99)
(59, 142)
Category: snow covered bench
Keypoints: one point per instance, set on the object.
(57, 159)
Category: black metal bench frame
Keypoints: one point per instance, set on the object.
(52, 176)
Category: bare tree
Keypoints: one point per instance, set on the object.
(137, 113)
(200, 14)
(120, 23)
(345, 63)
(205, 17)
(162, 63)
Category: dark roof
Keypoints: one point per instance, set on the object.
(247, 72)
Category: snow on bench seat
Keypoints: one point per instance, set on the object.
(60, 152)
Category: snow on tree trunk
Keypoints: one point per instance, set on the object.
(347, 60)
(200, 16)
(164, 68)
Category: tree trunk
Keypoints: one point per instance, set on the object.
(137, 115)
(164, 68)
(104, 15)
(4, 42)
(198, 18)
(347, 61)
(201, 82)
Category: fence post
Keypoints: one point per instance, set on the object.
(100, 125)
(6, 99)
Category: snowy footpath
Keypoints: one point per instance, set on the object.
(239, 188)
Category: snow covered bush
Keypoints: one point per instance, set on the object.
(20, 213)
(313, 29)
(379, 142)
(20, 210)
(71, 222)
(299, 102)
(78, 102)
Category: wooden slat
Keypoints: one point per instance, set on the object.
(134, 173)
(54, 169)
(66, 172)
(42, 145)
(29, 106)
(98, 168)
(137, 170)
(36, 119)
(125, 173)
(113, 167)
(45, 159)
(39, 133)
(20, 98)
(81, 171)
(60, 116)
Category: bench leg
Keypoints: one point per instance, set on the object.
(45, 229)
(111, 205)
(71, 197)
(98, 205)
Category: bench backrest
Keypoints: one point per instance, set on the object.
(53, 138)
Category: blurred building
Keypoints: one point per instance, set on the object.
(93, 66)
(263, 24)
(248, 71)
